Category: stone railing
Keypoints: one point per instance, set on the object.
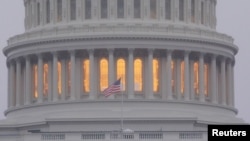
(121, 30)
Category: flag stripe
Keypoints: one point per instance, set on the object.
(114, 88)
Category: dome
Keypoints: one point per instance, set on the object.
(176, 70)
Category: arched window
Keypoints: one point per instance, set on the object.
(35, 81)
(87, 9)
(120, 8)
(47, 11)
(137, 8)
(121, 72)
(138, 75)
(182, 77)
(45, 79)
(206, 78)
(59, 77)
(104, 9)
(181, 10)
(155, 75)
(153, 13)
(168, 9)
(173, 68)
(103, 74)
(196, 78)
(72, 10)
(202, 12)
(59, 10)
(193, 11)
(38, 14)
(86, 74)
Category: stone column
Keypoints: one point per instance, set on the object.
(40, 78)
(223, 81)
(131, 73)
(164, 77)
(55, 77)
(9, 85)
(64, 81)
(27, 81)
(186, 75)
(178, 78)
(192, 95)
(229, 83)
(213, 80)
(111, 69)
(72, 76)
(92, 95)
(201, 78)
(12, 83)
(232, 83)
(50, 83)
(169, 75)
(18, 82)
(150, 93)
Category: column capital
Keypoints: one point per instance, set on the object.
(54, 53)
(111, 50)
(170, 51)
(150, 50)
(72, 52)
(187, 52)
(91, 51)
(202, 54)
(131, 50)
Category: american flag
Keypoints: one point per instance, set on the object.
(114, 88)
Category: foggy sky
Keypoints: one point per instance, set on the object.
(233, 18)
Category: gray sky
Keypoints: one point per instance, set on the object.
(232, 19)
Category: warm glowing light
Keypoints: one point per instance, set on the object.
(138, 75)
(182, 77)
(196, 78)
(155, 75)
(121, 72)
(35, 82)
(59, 77)
(103, 74)
(86, 75)
(45, 79)
(206, 79)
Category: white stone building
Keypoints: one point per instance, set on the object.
(177, 71)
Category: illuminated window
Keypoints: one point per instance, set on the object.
(87, 9)
(103, 74)
(35, 82)
(196, 78)
(72, 10)
(48, 11)
(104, 9)
(121, 72)
(181, 10)
(173, 67)
(138, 75)
(59, 77)
(45, 79)
(206, 69)
(155, 75)
(193, 11)
(153, 9)
(168, 9)
(202, 12)
(86, 75)
(137, 8)
(182, 77)
(59, 10)
(38, 14)
(69, 77)
(120, 8)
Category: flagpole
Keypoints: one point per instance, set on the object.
(121, 106)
